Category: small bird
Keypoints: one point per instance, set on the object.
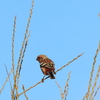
(47, 66)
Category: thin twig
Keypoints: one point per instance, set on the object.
(13, 38)
(96, 79)
(70, 62)
(67, 86)
(31, 87)
(48, 76)
(25, 42)
(24, 93)
(8, 76)
(60, 90)
(91, 75)
(24, 45)
(65, 93)
(96, 92)
(22, 53)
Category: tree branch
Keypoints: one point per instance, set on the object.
(48, 76)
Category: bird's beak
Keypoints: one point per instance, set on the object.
(37, 58)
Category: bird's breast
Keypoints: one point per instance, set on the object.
(46, 70)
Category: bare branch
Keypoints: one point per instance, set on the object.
(8, 77)
(96, 79)
(70, 62)
(24, 93)
(13, 38)
(96, 92)
(48, 76)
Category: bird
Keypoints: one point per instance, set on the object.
(47, 66)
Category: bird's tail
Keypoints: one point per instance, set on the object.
(51, 75)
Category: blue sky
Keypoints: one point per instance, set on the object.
(59, 29)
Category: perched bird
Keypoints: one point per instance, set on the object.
(47, 66)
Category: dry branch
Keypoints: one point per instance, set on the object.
(24, 93)
(69, 62)
(67, 86)
(8, 76)
(13, 39)
(94, 85)
(88, 95)
(60, 89)
(96, 92)
(65, 93)
(48, 76)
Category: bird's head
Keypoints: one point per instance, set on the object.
(41, 57)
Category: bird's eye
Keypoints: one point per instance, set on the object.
(38, 58)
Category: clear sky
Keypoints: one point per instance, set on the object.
(60, 29)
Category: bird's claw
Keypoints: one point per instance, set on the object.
(42, 79)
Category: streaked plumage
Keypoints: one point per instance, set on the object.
(47, 65)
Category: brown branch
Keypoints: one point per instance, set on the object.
(48, 76)
(87, 95)
(60, 90)
(8, 76)
(24, 93)
(96, 92)
(67, 86)
(7, 79)
(22, 53)
(13, 40)
(65, 93)
(69, 62)
(95, 82)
